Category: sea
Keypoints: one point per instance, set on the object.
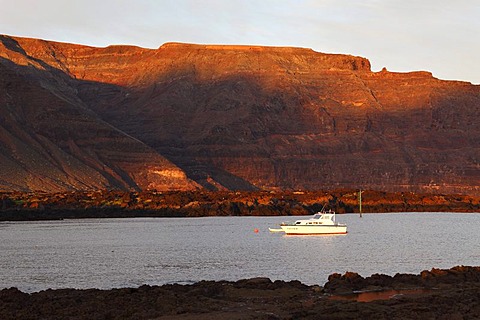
(118, 253)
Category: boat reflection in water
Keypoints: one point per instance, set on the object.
(320, 223)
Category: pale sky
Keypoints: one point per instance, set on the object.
(440, 36)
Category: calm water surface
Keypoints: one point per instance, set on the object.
(109, 253)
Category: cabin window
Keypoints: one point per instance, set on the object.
(298, 222)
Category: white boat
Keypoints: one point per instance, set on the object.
(320, 223)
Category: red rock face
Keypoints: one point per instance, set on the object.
(234, 117)
(51, 141)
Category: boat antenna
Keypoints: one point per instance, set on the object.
(321, 210)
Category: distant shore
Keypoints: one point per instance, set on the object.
(437, 294)
(17, 206)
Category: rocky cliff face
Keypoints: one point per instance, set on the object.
(51, 141)
(228, 117)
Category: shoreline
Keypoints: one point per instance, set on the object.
(436, 294)
(101, 213)
(17, 206)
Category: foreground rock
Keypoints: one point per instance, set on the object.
(451, 294)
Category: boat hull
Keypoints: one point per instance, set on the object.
(315, 229)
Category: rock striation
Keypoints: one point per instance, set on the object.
(187, 116)
(50, 140)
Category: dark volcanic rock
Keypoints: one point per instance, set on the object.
(351, 281)
(234, 117)
(122, 204)
(455, 296)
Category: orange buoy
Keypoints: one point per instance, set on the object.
(255, 230)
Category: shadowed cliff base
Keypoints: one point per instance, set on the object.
(118, 204)
(436, 294)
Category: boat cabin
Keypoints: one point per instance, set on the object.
(325, 218)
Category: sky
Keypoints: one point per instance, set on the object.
(440, 36)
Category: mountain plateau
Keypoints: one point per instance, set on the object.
(186, 117)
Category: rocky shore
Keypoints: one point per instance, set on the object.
(15, 206)
(436, 294)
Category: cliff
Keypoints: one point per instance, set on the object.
(228, 117)
(50, 140)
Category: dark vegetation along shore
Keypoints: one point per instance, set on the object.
(102, 204)
(437, 294)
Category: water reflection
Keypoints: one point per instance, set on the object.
(379, 295)
(110, 253)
